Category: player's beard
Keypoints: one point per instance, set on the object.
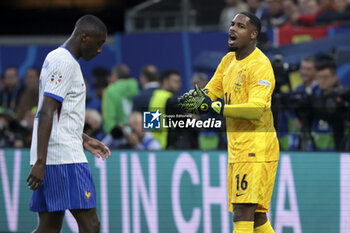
(232, 49)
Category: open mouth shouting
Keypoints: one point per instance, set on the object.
(232, 39)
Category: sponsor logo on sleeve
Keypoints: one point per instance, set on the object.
(264, 82)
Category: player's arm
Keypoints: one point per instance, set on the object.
(96, 147)
(46, 113)
(54, 94)
(247, 111)
(202, 103)
(261, 85)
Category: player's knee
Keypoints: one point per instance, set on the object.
(49, 227)
(46, 231)
(259, 219)
(94, 225)
(55, 228)
(238, 215)
(244, 212)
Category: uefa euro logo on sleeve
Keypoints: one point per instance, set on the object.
(151, 120)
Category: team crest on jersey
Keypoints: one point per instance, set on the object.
(241, 77)
(87, 194)
(56, 77)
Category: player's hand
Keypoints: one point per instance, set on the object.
(215, 107)
(199, 103)
(36, 175)
(193, 93)
(97, 148)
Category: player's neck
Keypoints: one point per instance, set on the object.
(72, 46)
(245, 52)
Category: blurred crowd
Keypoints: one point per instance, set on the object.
(315, 115)
(115, 104)
(312, 116)
(18, 104)
(277, 13)
(115, 110)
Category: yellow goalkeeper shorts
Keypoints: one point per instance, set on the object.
(251, 183)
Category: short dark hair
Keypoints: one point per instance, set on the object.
(253, 19)
(90, 24)
(167, 73)
(150, 73)
(8, 68)
(202, 77)
(35, 69)
(122, 71)
(309, 59)
(326, 64)
(312, 59)
(99, 73)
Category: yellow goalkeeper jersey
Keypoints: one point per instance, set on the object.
(250, 80)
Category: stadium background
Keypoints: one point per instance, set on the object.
(173, 191)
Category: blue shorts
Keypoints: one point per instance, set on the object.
(66, 186)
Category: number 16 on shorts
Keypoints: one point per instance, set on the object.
(241, 184)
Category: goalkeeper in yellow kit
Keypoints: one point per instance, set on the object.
(245, 79)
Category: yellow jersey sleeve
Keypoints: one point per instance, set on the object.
(261, 82)
(246, 111)
(215, 84)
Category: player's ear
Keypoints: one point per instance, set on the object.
(254, 34)
(84, 37)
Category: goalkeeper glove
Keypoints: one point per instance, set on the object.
(198, 102)
(193, 93)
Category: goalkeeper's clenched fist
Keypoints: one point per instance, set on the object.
(198, 102)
